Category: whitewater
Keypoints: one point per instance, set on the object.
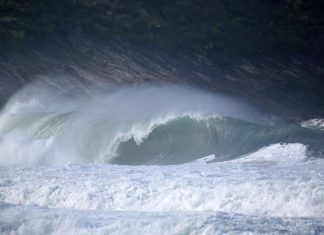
(155, 160)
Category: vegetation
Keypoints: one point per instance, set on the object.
(234, 26)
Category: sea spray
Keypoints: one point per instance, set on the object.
(92, 128)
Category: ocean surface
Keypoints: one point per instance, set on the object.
(156, 160)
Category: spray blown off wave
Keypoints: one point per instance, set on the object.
(132, 126)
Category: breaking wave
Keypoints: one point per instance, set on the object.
(138, 125)
(206, 163)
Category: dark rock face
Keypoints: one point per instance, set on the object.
(290, 86)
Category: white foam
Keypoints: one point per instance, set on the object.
(279, 153)
(17, 148)
(314, 123)
(293, 190)
(207, 159)
(38, 220)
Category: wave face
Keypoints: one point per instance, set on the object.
(134, 126)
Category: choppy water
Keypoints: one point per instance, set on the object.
(162, 160)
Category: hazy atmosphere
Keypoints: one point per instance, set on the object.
(161, 117)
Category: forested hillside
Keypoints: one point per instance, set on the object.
(231, 26)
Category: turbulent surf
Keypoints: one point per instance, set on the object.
(164, 154)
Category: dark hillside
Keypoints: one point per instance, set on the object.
(233, 26)
(289, 85)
